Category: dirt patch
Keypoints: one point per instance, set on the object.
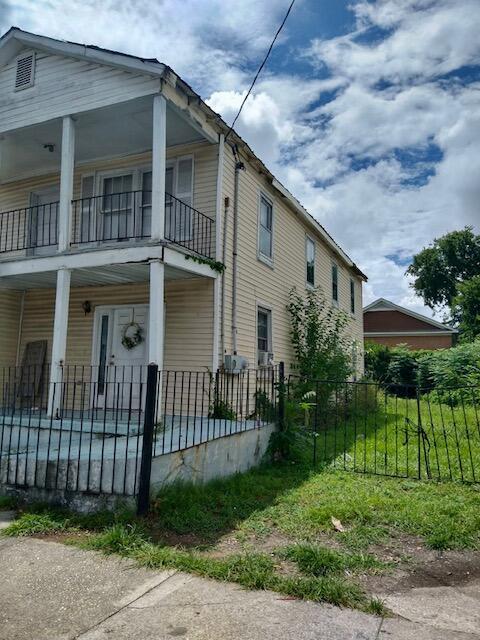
(231, 544)
(417, 566)
(62, 536)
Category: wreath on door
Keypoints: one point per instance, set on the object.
(132, 335)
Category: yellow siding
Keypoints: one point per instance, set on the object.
(259, 283)
(16, 195)
(189, 329)
(10, 303)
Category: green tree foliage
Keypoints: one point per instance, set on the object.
(439, 269)
(317, 330)
(466, 308)
(377, 361)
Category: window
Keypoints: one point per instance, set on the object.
(117, 207)
(335, 283)
(264, 332)
(310, 257)
(25, 73)
(352, 296)
(265, 235)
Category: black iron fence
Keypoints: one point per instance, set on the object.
(95, 429)
(29, 228)
(399, 431)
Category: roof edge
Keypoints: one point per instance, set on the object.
(408, 312)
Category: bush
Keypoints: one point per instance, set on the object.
(377, 361)
(322, 348)
(452, 368)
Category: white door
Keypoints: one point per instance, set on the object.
(43, 220)
(121, 355)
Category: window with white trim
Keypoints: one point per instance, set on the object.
(352, 296)
(310, 260)
(264, 332)
(335, 283)
(265, 228)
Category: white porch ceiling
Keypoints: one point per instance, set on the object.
(92, 277)
(116, 130)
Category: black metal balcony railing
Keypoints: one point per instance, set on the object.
(119, 217)
(31, 228)
(113, 217)
(116, 217)
(188, 227)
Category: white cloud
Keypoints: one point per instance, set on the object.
(340, 158)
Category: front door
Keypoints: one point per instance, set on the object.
(44, 220)
(120, 356)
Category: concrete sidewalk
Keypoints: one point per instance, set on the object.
(55, 592)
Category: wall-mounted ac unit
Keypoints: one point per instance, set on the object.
(265, 359)
(235, 364)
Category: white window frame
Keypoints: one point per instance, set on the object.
(310, 285)
(25, 54)
(261, 306)
(336, 302)
(268, 260)
(353, 293)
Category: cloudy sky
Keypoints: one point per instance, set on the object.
(368, 111)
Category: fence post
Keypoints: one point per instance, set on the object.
(281, 396)
(143, 499)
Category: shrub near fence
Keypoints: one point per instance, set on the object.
(402, 432)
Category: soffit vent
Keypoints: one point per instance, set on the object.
(25, 71)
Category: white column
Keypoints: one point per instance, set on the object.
(156, 321)
(217, 290)
(59, 344)
(66, 183)
(159, 147)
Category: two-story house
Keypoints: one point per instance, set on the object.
(118, 193)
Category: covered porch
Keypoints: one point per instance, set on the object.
(101, 326)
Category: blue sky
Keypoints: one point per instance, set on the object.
(368, 111)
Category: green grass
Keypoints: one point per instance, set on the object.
(377, 433)
(278, 518)
(7, 502)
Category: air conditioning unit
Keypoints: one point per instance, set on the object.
(235, 364)
(265, 359)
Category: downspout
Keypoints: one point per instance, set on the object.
(223, 258)
(20, 329)
(239, 166)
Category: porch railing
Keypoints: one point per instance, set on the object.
(115, 217)
(94, 437)
(118, 217)
(31, 228)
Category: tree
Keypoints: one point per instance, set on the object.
(320, 343)
(439, 269)
(466, 308)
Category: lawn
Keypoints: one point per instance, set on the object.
(271, 528)
(369, 431)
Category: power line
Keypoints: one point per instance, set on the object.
(261, 67)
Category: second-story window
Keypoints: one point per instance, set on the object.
(310, 258)
(352, 296)
(335, 283)
(265, 231)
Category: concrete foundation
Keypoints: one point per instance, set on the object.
(106, 475)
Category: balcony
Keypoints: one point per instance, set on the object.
(106, 219)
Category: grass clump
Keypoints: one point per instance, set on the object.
(38, 523)
(7, 503)
(250, 570)
(314, 560)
